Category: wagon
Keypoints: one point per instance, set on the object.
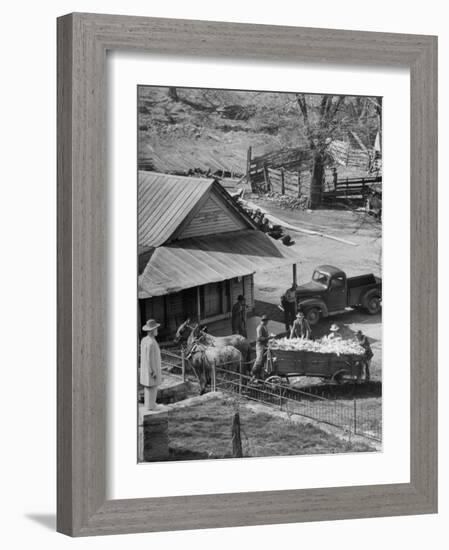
(330, 366)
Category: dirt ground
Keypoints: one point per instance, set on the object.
(358, 259)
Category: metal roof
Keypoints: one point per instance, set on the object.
(164, 201)
(202, 260)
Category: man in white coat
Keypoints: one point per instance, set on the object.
(150, 364)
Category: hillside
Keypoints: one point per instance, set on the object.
(182, 129)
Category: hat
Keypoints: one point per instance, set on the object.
(334, 328)
(359, 333)
(240, 297)
(150, 325)
(264, 318)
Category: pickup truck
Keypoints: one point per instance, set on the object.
(330, 291)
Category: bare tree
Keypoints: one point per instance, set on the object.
(320, 122)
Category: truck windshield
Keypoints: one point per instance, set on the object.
(322, 278)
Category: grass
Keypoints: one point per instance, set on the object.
(204, 431)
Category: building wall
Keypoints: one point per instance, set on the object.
(216, 301)
(214, 217)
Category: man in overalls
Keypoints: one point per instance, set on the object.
(368, 355)
(262, 337)
(301, 327)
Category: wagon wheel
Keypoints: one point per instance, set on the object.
(275, 379)
(338, 376)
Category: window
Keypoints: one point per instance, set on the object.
(337, 283)
(321, 278)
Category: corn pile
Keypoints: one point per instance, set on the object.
(324, 345)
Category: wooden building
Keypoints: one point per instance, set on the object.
(198, 250)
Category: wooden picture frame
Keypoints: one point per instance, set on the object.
(83, 40)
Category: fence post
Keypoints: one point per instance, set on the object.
(183, 364)
(282, 182)
(248, 166)
(355, 416)
(266, 178)
(214, 381)
(240, 377)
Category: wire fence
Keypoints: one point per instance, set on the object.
(356, 416)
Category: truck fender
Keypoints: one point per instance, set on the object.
(314, 302)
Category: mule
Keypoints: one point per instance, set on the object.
(189, 333)
(204, 358)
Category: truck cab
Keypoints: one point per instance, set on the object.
(331, 291)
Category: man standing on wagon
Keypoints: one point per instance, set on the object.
(301, 327)
(262, 337)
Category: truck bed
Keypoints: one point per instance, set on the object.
(358, 286)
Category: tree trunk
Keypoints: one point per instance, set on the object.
(316, 185)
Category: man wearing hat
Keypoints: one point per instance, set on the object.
(238, 319)
(334, 332)
(262, 337)
(288, 306)
(301, 327)
(368, 355)
(150, 364)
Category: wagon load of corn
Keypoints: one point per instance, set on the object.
(324, 345)
(329, 358)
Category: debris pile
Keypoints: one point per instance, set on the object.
(288, 201)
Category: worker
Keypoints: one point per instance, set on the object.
(238, 319)
(368, 355)
(150, 364)
(301, 327)
(288, 306)
(334, 332)
(262, 338)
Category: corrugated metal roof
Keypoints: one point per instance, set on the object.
(164, 201)
(202, 260)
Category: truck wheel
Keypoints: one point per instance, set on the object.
(373, 305)
(313, 316)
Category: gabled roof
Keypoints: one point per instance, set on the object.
(165, 203)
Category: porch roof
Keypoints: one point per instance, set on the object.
(198, 261)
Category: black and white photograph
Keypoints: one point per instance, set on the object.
(259, 273)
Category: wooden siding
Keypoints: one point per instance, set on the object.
(214, 217)
(164, 201)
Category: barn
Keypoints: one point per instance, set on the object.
(198, 250)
